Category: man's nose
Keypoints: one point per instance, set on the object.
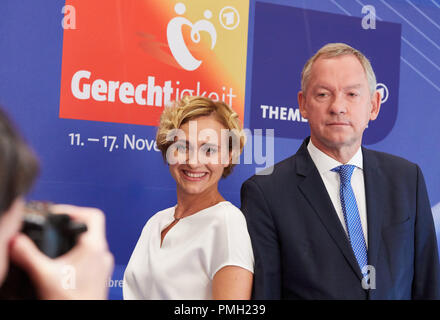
(338, 104)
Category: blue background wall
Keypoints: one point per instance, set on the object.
(131, 186)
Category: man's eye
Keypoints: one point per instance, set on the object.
(322, 94)
(352, 94)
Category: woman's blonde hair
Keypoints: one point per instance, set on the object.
(189, 108)
(332, 50)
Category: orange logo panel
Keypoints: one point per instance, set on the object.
(127, 59)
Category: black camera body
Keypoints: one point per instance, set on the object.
(53, 234)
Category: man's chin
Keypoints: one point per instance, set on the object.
(342, 142)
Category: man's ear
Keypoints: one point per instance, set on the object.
(301, 103)
(376, 100)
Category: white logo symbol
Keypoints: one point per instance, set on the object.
(383, 90)
(229, 18)
(175, 37)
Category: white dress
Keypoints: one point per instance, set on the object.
(192, 251)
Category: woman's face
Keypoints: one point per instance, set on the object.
(199, 155)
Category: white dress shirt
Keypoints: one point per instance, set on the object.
(192, 252)
(325, 164)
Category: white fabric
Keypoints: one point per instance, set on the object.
(192, 251)
(436, 215)
(325, 164)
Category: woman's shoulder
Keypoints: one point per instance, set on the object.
(224, 207)
(164, 212)
(226, 211)
(160, 216)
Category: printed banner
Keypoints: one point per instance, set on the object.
(278, 62)
(127, 59)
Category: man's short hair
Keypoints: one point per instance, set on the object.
(332, 50)
(18, 164)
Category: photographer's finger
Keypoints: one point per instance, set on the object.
(92, 217)
(81, 213)
(25, 254)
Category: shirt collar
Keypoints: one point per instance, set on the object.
(325, 163)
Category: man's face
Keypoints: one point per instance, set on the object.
(338, 103)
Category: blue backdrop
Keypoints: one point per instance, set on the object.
(131, 186)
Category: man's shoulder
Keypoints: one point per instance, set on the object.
(391, 167)
(388, 160)
(282, 170)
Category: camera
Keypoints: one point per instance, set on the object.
(53, 234)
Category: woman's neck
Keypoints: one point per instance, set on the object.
(188, 204)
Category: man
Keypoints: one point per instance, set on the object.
(336, 220)
(82, 272)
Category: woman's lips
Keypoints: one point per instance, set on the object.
(194, 176)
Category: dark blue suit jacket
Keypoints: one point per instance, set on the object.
(301, 249)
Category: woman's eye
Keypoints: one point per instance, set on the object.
(209, 150)
(181, 148)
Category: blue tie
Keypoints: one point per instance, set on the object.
(351, 214)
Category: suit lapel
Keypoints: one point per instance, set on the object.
(314, 191)
(374, 184)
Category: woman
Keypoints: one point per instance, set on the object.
(200, 248)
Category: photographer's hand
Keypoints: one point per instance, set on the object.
(81, 273)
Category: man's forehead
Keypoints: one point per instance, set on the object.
(329, 86)
(346, 67)
(329, 62)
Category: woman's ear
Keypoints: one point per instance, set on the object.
(229, 159)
